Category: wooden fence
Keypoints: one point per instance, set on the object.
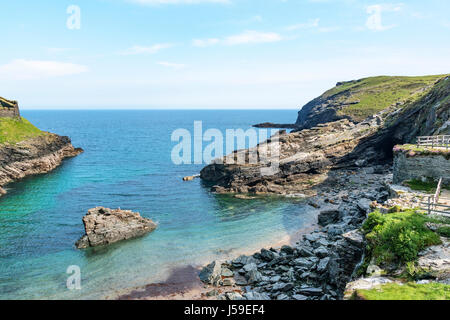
(434, 142)
(433, 206)
(437, 208)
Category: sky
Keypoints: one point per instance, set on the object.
(195, 54)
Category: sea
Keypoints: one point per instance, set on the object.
(128, 164)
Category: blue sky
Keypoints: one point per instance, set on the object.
(211, 53)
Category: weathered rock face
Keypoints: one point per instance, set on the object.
(306, 156)
(34, 156)
(105, 226)
(417, 167)
(436, 260)
(301, 154)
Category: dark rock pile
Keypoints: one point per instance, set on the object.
(317, 267)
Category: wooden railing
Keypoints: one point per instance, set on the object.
(434, 141)
(433, 206)
(436, 208)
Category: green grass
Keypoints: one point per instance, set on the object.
(397, 238)
(444, 231)
(418, 185)
(378, 93)
(13, 130)
(408, 291)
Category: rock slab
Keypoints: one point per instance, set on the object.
(106, 226)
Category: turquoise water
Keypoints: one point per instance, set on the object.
(127, 164)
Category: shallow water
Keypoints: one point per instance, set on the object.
(127, 163)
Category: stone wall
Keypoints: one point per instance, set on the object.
(416, 167)
(9, 108)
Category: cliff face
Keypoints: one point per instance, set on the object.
(307, 155)
(33, 156)
(356, 100)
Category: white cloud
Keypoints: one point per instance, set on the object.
(171, 65)
(35, 69)
(252, 37)
(160, 2)
(246, 37)
(146, 50)
(313, 23)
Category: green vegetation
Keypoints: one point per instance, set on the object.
(407, 291)
(429, 186)
(16, 130)
(371, 95)
(395, 209)
(444, 231)
(397, 238)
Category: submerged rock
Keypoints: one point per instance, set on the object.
(105, 226)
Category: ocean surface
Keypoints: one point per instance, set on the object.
(127, 164)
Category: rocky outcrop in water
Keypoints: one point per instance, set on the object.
(303, 159)
(105, 226)
(34, 156)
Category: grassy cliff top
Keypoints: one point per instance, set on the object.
(369, 96)
(14, 130)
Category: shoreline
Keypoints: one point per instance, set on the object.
(183, 282)
(339, 243)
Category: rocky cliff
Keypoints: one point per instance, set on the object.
(33, 156)
(358, 99)
(411, 107)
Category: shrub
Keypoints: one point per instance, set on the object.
(444, 231)
(397, 238)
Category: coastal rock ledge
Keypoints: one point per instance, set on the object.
(106, 226)
(33, 156)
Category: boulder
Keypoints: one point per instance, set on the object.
(436, 260)
(211, 274)
(104, 226)
(323, 265)
(299, 297)
(364, 284)
(267, 255)
(328, 217)
(364, 205)
(310, 291)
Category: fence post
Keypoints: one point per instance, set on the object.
(429, 205)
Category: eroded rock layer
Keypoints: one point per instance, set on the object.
(34, 156)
